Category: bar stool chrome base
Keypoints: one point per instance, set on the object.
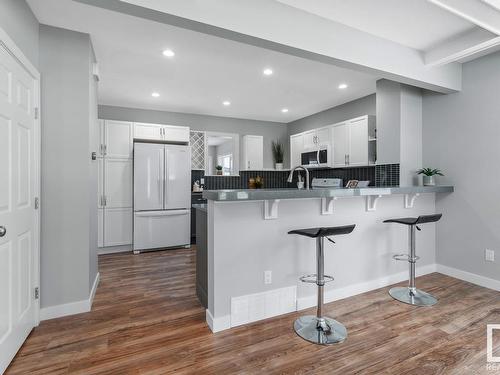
(323, 331)
(415, 297)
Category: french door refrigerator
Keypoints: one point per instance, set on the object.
(162, 188)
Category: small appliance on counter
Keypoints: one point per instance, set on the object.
(326, 183)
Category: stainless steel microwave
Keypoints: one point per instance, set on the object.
(316, 158)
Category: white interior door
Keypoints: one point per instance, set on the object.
(18, 227)
(148, 176)
(177, 177)
(340, 144)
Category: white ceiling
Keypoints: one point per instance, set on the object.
(414, 23)
(205, 71)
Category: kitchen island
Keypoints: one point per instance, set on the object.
(254, 265)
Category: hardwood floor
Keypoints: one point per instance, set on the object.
(146, 320)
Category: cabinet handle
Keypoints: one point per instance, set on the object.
(348, 159)
(248, 165)
(345, 159)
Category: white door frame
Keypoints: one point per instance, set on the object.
(16, 52)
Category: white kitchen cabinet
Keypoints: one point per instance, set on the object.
(117, 226)
(296, 148)
(148, 131)
(309, 139)
(351, 142)
(358, 142)
(317, 137)
(253, 152)
(118, 139)
(340, 144)
(176, 133)
(158, 132)
(100, 182)
(324, 136)
(100, 227)
(118, 183)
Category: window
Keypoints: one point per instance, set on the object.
(227, 163)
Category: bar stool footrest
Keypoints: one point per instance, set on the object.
(405, 258)
(313, 279)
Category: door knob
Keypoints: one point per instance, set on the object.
(3, 231)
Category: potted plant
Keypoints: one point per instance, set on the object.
(218, 170)
(278, 152)
(429, 174)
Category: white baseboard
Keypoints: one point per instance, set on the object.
(114, 249)
(78, 307)
(469, 277)
(352, 290)
(218, 324)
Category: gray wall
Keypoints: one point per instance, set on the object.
(461, 134)
(270, 130)
(388, 121)
(66, 111)
(19, 22)
(356, 108)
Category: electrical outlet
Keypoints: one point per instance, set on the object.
(489, 255)
(268, 277)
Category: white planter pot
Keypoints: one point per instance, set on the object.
(279, 166)
(429, 181)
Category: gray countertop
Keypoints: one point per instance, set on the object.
(270, 194)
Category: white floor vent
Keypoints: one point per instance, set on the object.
(253, 307)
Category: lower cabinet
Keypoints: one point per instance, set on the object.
(116, 226)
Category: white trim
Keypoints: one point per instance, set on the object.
(114, 249)
(217, 324)
(71, 308)
(352, 290)
(469, 277)
(18, 54)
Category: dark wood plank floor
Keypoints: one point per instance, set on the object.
(146, 320)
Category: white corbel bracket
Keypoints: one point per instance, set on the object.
(371, 202)
(271, 209)
(327, 205)
(410, 200)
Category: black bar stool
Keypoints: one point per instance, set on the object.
(411, 295)
(320, 329)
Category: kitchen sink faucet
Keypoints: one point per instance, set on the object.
(290, 176)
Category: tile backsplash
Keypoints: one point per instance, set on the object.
(383, 175)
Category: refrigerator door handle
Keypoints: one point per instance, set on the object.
(165, 179)
(162, 213)
(160, 171)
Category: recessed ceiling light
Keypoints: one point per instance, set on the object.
(168, 53)
(268, 71)
(342, 86)
(284, 110)
(227, 103)
(155, 95)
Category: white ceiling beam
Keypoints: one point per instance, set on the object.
(477, 12)
(465, 46)
(275, 26)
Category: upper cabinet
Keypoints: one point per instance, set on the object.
(119, 139)
(157, 132)
(351, 143)
(253, 152)
(296, 149)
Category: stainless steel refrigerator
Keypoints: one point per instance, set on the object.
(162, 187)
